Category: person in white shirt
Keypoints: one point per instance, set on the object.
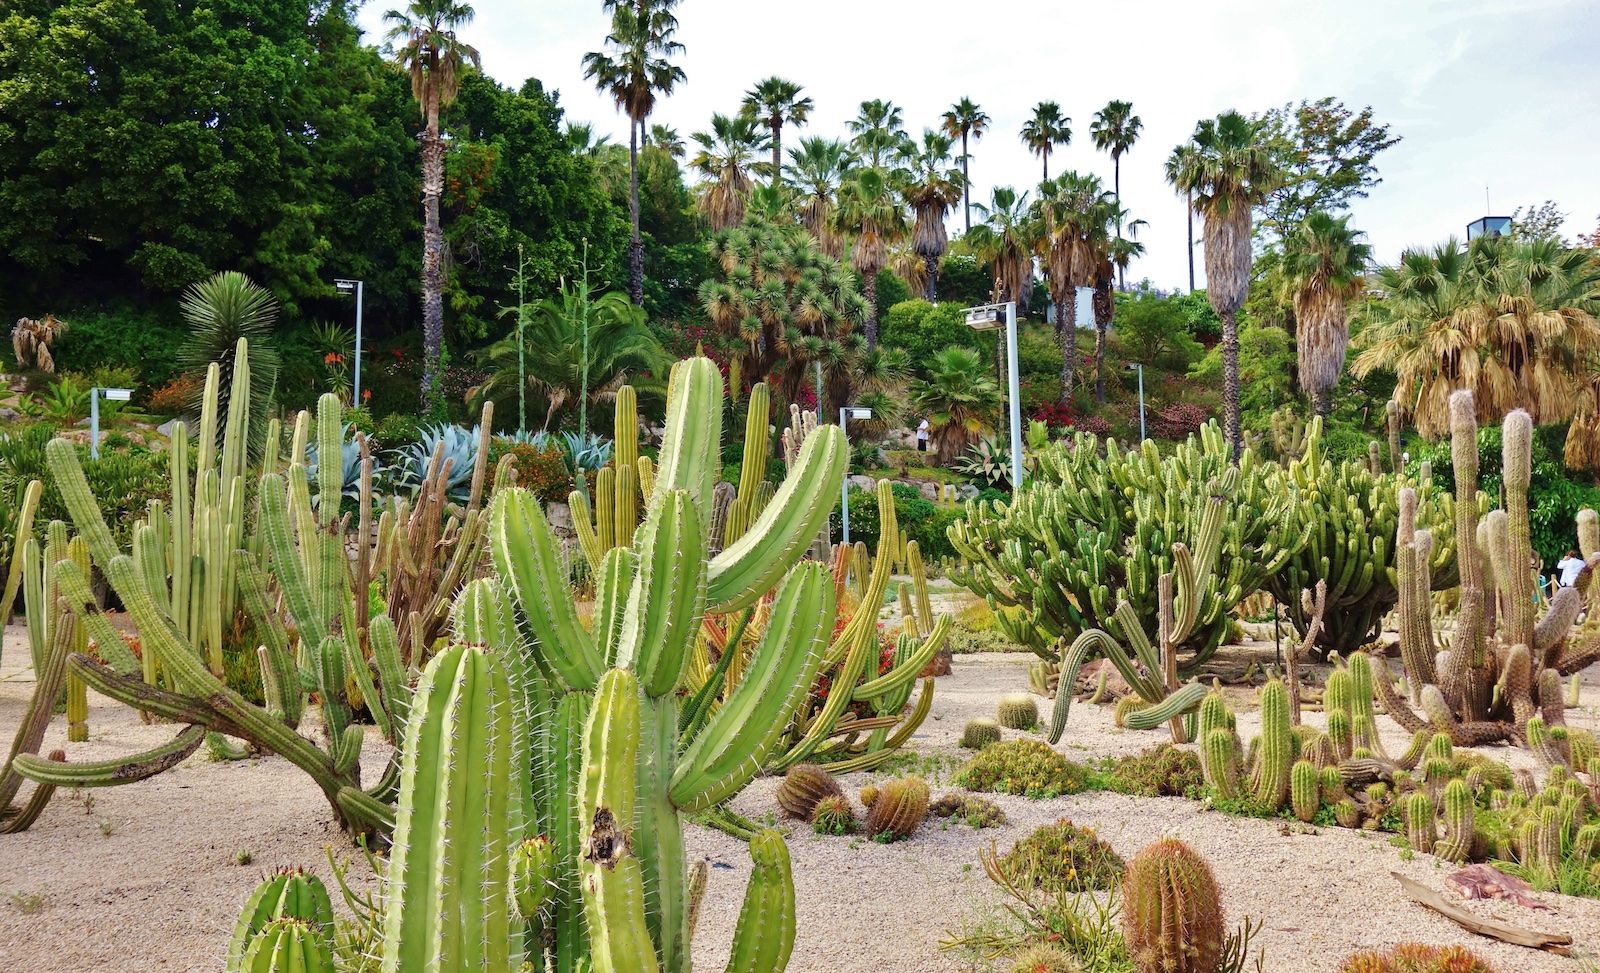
(922, 436)
(1570, 567)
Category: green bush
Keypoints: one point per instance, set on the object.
(922, 329)
(1152, 327)
(123, 480)
(1063, 857)
(1026, 767)
(1160, 771)
(143, 339)
(921, 519)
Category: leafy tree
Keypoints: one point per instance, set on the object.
(922, 329)
(958, 398)
(1326, 152)
(1046, 129)
(776, 102)
(1198, 315)
(1153, 327)
(1539, 222)
(1266, 361)
(966, 121)
(962, 280)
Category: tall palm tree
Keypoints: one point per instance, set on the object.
(1068, 213)
(725, 157)
(1004, 241)
(585, 140)
(879, 128)
(1113, 259)
(635, 72)
(958, 398)
(1176, 162)
(776, 102)
(666, 139)
(869, 209)
(930, 187)
(816, 168)
(426, 45)
(966, 120)
(1514, 321)
(1044, 131)
(1114, 130)
(1324, 261)
(1230, 171)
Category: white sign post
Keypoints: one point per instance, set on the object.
(95, 394)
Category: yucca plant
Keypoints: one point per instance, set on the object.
(221, 311)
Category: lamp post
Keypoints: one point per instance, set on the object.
(111, 395)
(358, 288)
(846, 413)
(987, 317)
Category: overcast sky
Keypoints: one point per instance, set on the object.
(1500, 94)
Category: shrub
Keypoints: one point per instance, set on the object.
(1417, 958)
(1161, 771)
(976, 617)
(1152, 326)
(395, 430)
(1179, 420)
(173, 398)
(977, 812)
(121, 335)
(541, 469)
(1062, 857)
(921, 329)
(1026, 767)
(962, 642)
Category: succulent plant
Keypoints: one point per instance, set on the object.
(533, 875)
(1305, 790)
(288, 893)
(899, 809)
(1172, 910)
(975, 811)
(868, 795)
(803, 787)
(1018, 711)
(1062, 857)
(1417, 958)
(833, 815)
(1030, 768)
(288, 946)
(455, 445)
(979, 733)
(1045, 958)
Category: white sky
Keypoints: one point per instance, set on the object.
(1487, 93)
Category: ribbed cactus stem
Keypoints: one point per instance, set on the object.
(1276, 753)
(1172, 910)
(1305, 790)
(1419, 822)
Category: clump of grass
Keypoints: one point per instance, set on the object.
(244, 856)
(1029, 768)
(27, 903)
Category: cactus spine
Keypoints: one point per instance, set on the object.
(1172, 912)
(1018, 711)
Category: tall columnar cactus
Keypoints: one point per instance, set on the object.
(1504, 662)
(1275, 749)
(619, 486)
(1172, 910)
(1305, 790)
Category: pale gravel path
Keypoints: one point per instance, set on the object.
(163, 887)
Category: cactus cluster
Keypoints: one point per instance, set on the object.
(1030, 768)
(1061, 857)
(833, 815)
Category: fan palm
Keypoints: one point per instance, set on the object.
(930, 187)
(879, 128)
(775, 103)
(966, 120)
(907, 264)
(635, 73)
(1514, 321)
(1115, 128)
(816, 169)
(220, 311)
(426, 46)
(621, 350)
(1004, 242)
(666, 139)
(870, 211)
(1323, 263)
(1045, 130)
(1176, 162)
(584, 140)
(1112, 260)
(1068, 214)
(1230, 171)
(725, 157)
(958, 398)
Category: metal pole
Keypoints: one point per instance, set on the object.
(844, 482)
(1015, 394)
(94, 423)
(1142, 436)
(819, 389)
(355, 384)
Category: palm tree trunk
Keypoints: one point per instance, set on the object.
(1322, 401)
(1103, 308)
(966, 181)
(1067, 335)
(777, 152)
(869, 290)
(1188, 209)
(1116, 185)
(1230, 380)
(1046, 158)
(432, 250)
(636, 243)
(930, 279)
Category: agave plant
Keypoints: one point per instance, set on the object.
(456, 445)
(586, 452)
(986, 461)
(349, 466)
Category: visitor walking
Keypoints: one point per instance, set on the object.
(1570, 567)
(922, 436)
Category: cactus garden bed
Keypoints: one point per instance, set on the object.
(158, 870)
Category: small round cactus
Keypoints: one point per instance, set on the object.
(288, 893)
(980, 733)
(868, 795)
(1018, 711)
(288, 944)
(833, 815)
(803, 786)
(899, 809)
(1124, 708)
(1172, 913)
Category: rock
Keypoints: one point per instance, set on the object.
(966, 491)
(929, 490)
(559, 515)
(8, 415)
(862, 482)
(1089, 677)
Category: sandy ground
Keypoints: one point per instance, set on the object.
(149, 872)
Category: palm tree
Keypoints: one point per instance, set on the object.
(1513, 321)
(816, 169)
(1047, 129)
(426, 46)
(585, 140)
(930, 188)
(1112, 261)
(879, 129)
(725, 157)
(666, 139)
(1176, 162)
(635, 73)
(1230, 171)
(775, 103)
(907, 264)
(1114, 130)
(1324, 261)
(869, 209)
(1068, 215)
(965, 119)
(958, 398)
(1004, 242)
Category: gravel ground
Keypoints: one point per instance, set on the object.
(151, 870)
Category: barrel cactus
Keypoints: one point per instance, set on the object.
(288, 893)
(833, 815)
(803, 787)
(1018, 711)
(979, 733)
(288, 946)
(899, 809)
(1172, 911)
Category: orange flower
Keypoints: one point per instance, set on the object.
(366, 395)
(332, 357)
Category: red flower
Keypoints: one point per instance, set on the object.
(332, 357)
(366, 395)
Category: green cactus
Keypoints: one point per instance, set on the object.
(1172, 910)
(288, 946)
(899, 809)
(288, 893)
(979, 733)
(1419, 822)
(1458, 808)
(1305, 790)
(833, 815)
(533, 875)
(1275, 755)
(1018, 711)
(1221, 762)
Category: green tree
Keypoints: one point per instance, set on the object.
(1326, 152)
(775, 103)
(922, 329)
(965, 120)
(1324, 262)
(1539, 222)
(1153, 327)
(1070, 212)
(1004, 243)
(1114, 130)
(1044, 130)
(1265, 364)
(428, 48)
(869, 210)
(1230, 170)
(878, 130)
(930, 187)
(1112, 257)
(958, 398)
(725, 158)
(816, 169)
(635, 72)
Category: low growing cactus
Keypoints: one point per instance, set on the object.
(1172, 910)
(980, 733)
(1062, 857)
(803, 787)
(833, 815)
(1018, 711)
(899, 809)
(1030, 768)
(975, 811)
(1045, 958)
(288, 893)
(288, 946)
(1417, 958)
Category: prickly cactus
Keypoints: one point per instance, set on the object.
(803, 787)
(899, 809)
(1275, 755)
(980, 733)
(833, 815)
(1305, 794)
(1018, 711)
(1172, 911)
(288, 893)
(533, 875)
(288, 946)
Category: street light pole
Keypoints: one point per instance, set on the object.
(846, 413)
(359, 288)
(986, 317)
